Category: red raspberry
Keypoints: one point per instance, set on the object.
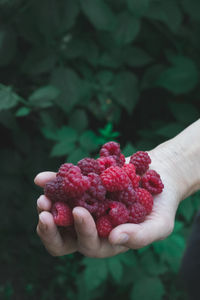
(130, 171)
(102, 209)
(127, 196)
(110, 148)
(114, 179)
(87, 202)
(145, 198)
(151, 182)
(137, 213)
(74, 183)
(88, 165)
(141, 161)
(96, 189)
(118, 213)
(53, 190)
(62, 214)
(106, 162)
(120, 160)
(136, 181)
(104, 226)
(64, 168)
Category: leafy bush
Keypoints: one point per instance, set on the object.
(75, 74)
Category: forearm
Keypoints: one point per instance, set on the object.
(182, 153)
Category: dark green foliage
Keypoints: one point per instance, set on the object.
(75, 74)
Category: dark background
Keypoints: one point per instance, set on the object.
(75, 74)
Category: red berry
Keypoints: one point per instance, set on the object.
(54, 191)
(106, 162)
(88, 165)
(96, 189)
(104, 226)
(137, 213)
(151, 182)
(102, 209)
(141, 161)
(130, 171)
(145, 198)
(64, 168)
(127, 196)
(114, 179)
(86, 201)
(62, 214)
(118, 213)
(110, 148)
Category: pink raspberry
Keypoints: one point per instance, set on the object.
(118, 213)
(141, 161)
(87, 202)
(151, 182)
(62, 214)
(136, 181)
(64, 168)
(74, 183)
(102, 209)
(144, 198)
(114, 179)
(106, 162)
(120, 159)
(88, 165)
(104, 226)
(137, 213)
(130, 171)
(110, 148)
(96, 189)
(127, 196)
(54, 191)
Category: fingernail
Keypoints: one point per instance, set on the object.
(123, 238)
(42, 224)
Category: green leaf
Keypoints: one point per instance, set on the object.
(148, 288)
(89, 141)
(170, 130)
(60, 134)
(151, 264)
(43, 96)
(22, 111)
(180, 78)
(127, 28)
(70, 86)
(79, 120)
(62, 148)
(8, 98)
(138, 7)
(99, 14)
(104, 77)
(184, 112)
(136, 57)
(151, 75)
(115, 268)
(129, 149)
(125, 90)
(77, 155)
(187, 209)
(95, 273)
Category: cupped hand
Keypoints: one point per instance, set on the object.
(158, 225)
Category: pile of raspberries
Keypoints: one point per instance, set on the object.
(113, 191)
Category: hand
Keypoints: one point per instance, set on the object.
(158, 225)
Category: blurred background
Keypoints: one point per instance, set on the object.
(73, 75)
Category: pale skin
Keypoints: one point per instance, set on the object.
(177, 161)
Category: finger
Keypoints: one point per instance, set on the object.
(136, 236)
(88, 239)
(42, 178)
(51, 237)
(43, 204)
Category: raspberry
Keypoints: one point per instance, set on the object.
(136, 181)
(137, 213)
(120, 160)
(118, 213)
(74, 183)
(110, 148)
(87, 202)
(62, 214)
(106, 162)
(104, 226)
(130, 171)
(53, 190)
(114, 179)
(88, 165)
(96, 189)
(102, 209)
(151, 182)
(127, 196)
(141, 161)
(64, 168)
(145, 198)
